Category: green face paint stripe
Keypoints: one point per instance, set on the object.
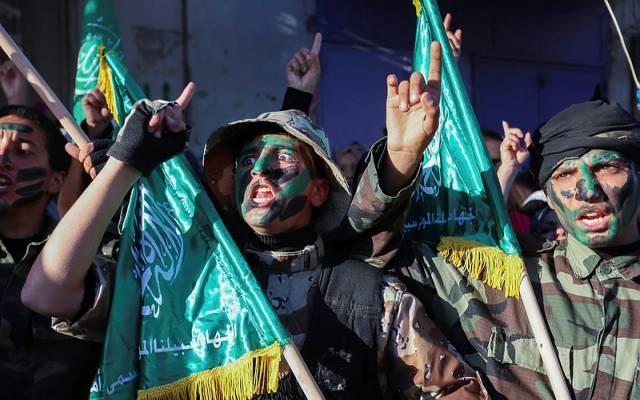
(282, 141)
(28, 174)
(293, 207)
(298, 184)
(30, 190)
(9, 126)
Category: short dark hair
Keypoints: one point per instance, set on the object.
(59, 160)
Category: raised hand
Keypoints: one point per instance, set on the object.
(455, 38)
(303, 70)
(412, 118)
(96, 113)
(92, 156)
(13, 84)
(513, 149)
(153, 132)
(170, 117)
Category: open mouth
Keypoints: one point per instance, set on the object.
(595, 221)
(261, 195)
(5, 183)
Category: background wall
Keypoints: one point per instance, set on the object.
(522, 61)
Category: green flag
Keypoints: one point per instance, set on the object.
(458, 203)
(99, 29)
(187, 317)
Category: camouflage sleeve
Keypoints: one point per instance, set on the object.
(416, 360)
(91, 321)
(372, 229)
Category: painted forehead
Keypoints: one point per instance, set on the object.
(270, 139)
(593, 157)
(19, 124)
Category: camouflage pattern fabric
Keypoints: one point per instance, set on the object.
(414, 359)
(35, 361)
(592, 308)
(372, 229)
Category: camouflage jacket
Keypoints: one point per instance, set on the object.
(35, 361)
(592, 308)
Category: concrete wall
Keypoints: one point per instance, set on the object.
(522, 61)
(236, 53)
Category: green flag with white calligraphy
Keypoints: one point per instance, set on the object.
(187, 319)
(458, 204)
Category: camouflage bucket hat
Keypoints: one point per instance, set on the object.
(218, 155)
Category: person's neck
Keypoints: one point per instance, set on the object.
(22, 222)
(287, 241)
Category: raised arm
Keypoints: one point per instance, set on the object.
(374, 224)
(413, 109)
(97, 125)
(55, 284)
(513, 155)
(303, 74)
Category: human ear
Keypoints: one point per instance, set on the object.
(55, 182)
(319, 192)
(545, 188)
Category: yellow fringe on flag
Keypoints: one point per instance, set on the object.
(418, 5)
(500, 270)
(105, 84)
(254, 373)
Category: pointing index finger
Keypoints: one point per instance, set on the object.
(187, 93)
(317, 44)
(447, 21)
(435, 65)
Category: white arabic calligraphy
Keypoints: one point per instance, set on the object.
(157, 252)
(439, 218)
(199, 340)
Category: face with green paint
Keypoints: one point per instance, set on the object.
(26, 176)
(596, 198)
(275, 185)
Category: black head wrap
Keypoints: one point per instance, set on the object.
(575, 131)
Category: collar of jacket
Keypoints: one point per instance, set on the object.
(275, 262)
(584, 261)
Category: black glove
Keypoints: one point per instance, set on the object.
(138, 148)
(99, 154)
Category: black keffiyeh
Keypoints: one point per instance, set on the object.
(576, 130)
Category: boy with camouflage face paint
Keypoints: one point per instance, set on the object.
(361, 337)
(586, 158)
(289, 193)
(35, 361)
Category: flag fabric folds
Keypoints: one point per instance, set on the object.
(188, 319)
(458, 204)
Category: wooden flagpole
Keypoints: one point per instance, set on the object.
(41, 87)
(541, 334)
(302, 373)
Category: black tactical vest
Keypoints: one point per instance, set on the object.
(341, 344)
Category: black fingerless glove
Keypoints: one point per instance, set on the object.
(138, 148)
(99, 155)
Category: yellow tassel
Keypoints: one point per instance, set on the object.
(499, 270)
(254, 373)
(105, 84)
(418, 5)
